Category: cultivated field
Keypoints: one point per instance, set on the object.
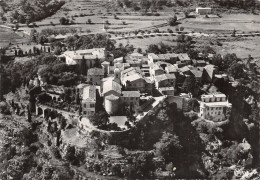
(169, 40)
(243, 47)
(228, 22)
(8, 36)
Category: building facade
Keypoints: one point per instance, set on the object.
(131, 99)
(89, 100)
(214, 107)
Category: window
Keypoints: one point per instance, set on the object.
(212, 108)
(218, 113)
(84, 112)
(85, 105)
(92, 105)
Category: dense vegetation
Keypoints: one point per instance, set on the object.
(36, 10)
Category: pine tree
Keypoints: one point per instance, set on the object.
(77, 99)
(29, 116)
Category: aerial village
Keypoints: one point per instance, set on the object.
(134, 85)
(136, 89)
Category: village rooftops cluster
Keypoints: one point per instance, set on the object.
(120, 82)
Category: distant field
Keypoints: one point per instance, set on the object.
(242, 48)
(239, 22)
(145, 42)
(8, 36)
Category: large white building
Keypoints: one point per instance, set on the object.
(203, 11)
(91, 56)
(214, 107)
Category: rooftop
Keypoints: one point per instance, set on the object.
(164, 77)
(96, 72)
(184, 57)
(184, 69)
(132, 77)
(136, 55)
(111, 85)
(130, 93)
(171, 68)
(82, 85)
(86, 54)
(213, 95)
(216, 104)
(105, 62)
(196, 73)
(112, 97)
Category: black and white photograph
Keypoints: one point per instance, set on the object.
(129, 89)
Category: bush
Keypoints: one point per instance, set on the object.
(172, 21)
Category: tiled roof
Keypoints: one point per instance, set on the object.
(130, 93)
(82, 85)
(184, 69)
(112, 97)
(132, 77)
(171, 68)
(196, 73)
(111, 85)
(164, 77)
(184, 57)
(96, 72)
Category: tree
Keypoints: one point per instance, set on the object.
(77, 99)
(217, 60)
(64, 21)
(89, 21)
(145, 4)
(228, 59)
(99, 119)
(42, 39)
(168, 147)
(33, 35)
(172, 21)
(116, 170)
(153, 48)
(16, 26)
(29, 118)
(70, 42)
(236, 70)
(139, 50)
(189, 84)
